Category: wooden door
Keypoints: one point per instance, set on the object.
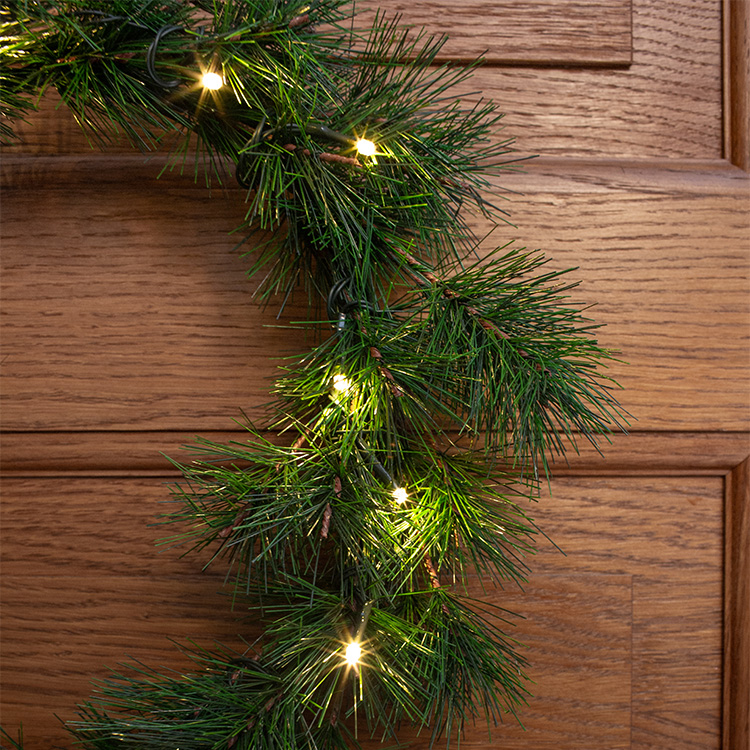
(128, 328)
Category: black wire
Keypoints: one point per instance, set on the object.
(332, 305)
(153, 47)
(337, 310)
(377, 467)
(322, 131)
(361, 304)
(151, 57)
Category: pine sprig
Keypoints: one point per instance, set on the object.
(530, 372)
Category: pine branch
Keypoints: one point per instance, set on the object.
(370, 529)
(530, 369)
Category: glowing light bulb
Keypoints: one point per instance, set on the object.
(365, 147)
(212, 81)
(341, 383)
(353, 652)
(400, 496)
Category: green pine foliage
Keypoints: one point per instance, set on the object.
(392, 480)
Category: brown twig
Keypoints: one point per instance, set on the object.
(432, 572)
(121, 56)
(434, 578)
(326, 524)
(338, 159)
(448, 293)
(376, 354)
(238, 519)
(324, 156)
(396, 389)
(302, 20)
(296, 445)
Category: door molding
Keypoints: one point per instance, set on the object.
(736, 699)
(736, 64)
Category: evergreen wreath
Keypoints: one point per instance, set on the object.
(413, 433)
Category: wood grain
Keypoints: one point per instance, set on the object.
(667, 104)
(638, 590)
(527, 32)
(61, 632)
(577, 634)
(675, 703)
(151, 289)
(148, 284)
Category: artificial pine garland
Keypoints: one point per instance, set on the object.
(411, 436)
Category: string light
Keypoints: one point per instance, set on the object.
(353, 652)
(400, 496)
(365, 147)
(212, 81)
(341, 383)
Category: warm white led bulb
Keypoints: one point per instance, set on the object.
(400, 496)
(353, 652)
(341, 383)
(212, 81)
(365, 147)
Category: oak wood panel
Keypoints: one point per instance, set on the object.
(61, 632)
(667, 104)
(120, 517)
(581, 675)
(675, 703)
(582, 680)
(668, 270)
(132, 313)
(664, 533)
(536, 32)
(113, 303)
(639, 591)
